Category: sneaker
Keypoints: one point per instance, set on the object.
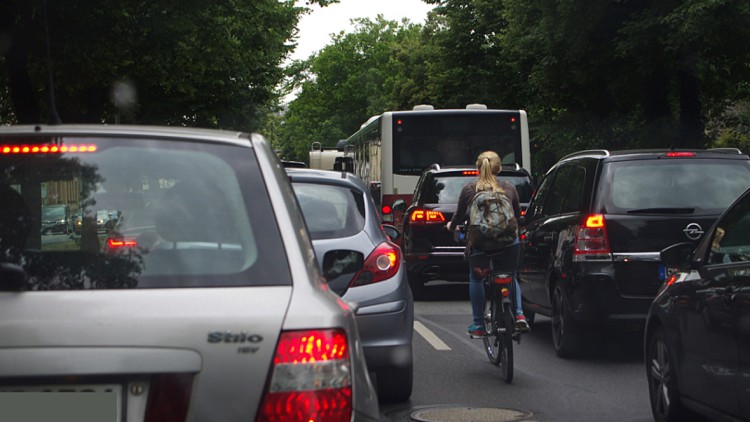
(521, 324)
(477, 331)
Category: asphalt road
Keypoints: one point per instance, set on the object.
(454, 380)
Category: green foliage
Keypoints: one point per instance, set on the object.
(187, 62)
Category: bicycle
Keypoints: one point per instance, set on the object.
(496, 270)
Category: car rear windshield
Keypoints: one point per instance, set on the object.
(446, 189)
(689, 186)
(179, 214)
(331, 211)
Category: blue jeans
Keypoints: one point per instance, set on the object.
(476, 289)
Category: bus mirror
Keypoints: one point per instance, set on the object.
(399, 205)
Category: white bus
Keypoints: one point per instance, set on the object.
(325, 158)
(391, 150)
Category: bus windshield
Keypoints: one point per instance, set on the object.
(421, 139)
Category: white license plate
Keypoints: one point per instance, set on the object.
(65, 402)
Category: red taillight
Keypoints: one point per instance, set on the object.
(310, 379)
(679, 154)
(45, 149)
(382, 264)
(470, 172)
(591, 240)
(120, 243)
(168, 398)
(502, 279)
(420, 216)
(386, 209)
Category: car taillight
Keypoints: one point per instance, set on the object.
(310, 378)
(420, 216)
(120, 243)
(168, 398)
(591, 241)
(680, 154)
(386, 209)
(382, 264)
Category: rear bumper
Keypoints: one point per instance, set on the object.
(450, 266)
(595, 298)
(387, 336)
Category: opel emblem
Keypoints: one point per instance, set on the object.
(693, 231)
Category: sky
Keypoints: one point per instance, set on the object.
(315, 28)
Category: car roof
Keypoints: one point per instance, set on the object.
(332, 177)
(507, 170)
(729, 153)
(163, 132)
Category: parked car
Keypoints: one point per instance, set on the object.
(593, 232)
(56, 219)
(696, 344)
(344, 225)
(215, 311)
(432, 252)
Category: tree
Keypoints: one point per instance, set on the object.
(186, 62)
(358, 75)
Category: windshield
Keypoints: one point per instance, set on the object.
(154, 214)
(453, 139)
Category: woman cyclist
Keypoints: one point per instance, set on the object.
(489, 166)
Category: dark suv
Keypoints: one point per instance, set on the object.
(593, 231)
(431, 251)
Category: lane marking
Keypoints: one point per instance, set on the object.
(430, 336)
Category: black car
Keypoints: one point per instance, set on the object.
(431, 251)
(696, 341)
(593, 232)
(56, 219)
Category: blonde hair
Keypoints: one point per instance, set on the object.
(489, 165)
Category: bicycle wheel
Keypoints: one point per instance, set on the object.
(492, 340)
(505, 342)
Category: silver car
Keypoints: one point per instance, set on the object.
(203, 303)
(365, 267)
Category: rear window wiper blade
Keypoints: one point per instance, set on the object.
(663, 210)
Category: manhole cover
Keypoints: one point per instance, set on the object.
(470, 414)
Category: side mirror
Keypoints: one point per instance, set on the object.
(678, 255)
(391, 231)
(399, 205)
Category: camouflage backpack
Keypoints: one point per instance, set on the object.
(492, 223)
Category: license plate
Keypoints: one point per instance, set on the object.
(81, 403)
(665, 273)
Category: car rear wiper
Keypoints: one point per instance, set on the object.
(663, 210)
(13, 277)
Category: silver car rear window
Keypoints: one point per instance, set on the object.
(178, 214)
(330, 211)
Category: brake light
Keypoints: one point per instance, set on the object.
(421, 216)
(382, 264)
(168, 398)
(386, 209)
(680, 154)
(45, 149)
(310, 378)
(470, 172)
(118, 243)
(502, 279)
(591, 241)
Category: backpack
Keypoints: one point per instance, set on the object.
(492, 222)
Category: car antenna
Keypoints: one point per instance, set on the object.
(53, 118)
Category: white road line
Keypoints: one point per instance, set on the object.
(430, 336)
